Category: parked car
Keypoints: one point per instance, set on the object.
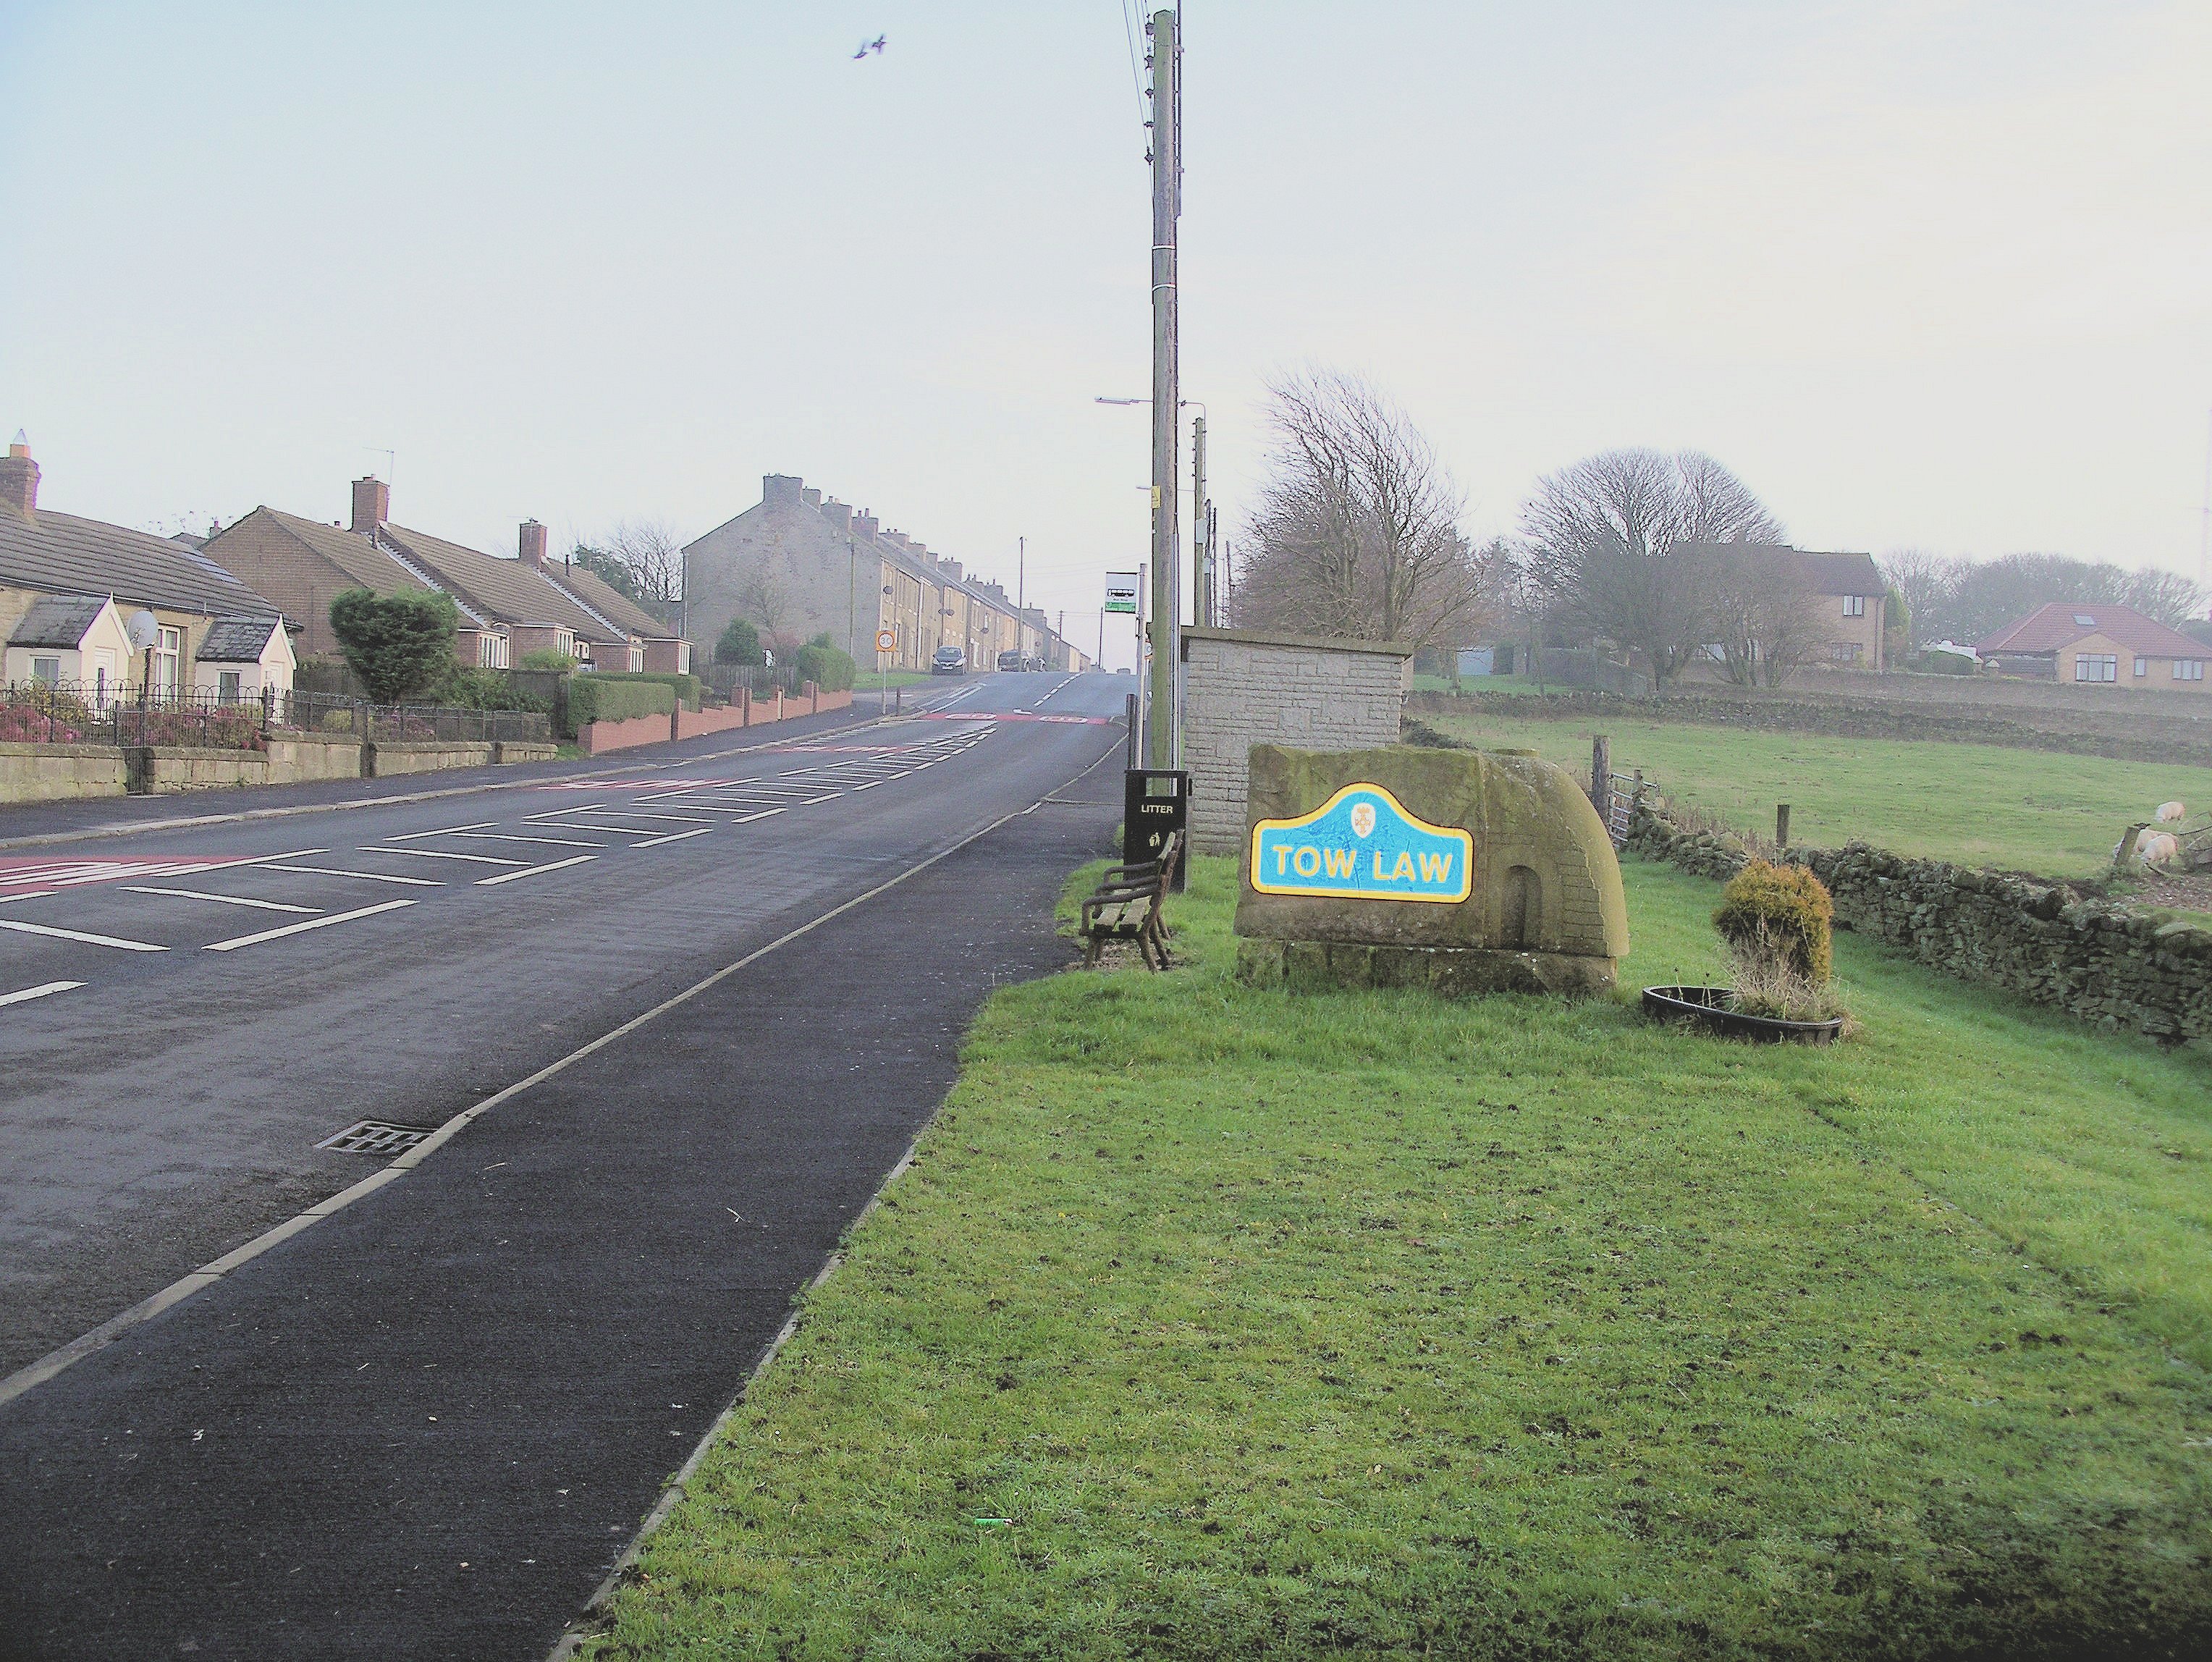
(1012, 659)
(948, 661)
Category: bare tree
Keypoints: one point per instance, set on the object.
(1927, 583)
(1618, 542)
(1765, 618)
(648, 550)
(764, 596)
(1357, 531)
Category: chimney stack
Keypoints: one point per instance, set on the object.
(531, 544)
(372, 503)
(781, 490)
(19, 477)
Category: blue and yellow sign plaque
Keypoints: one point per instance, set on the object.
(1362, 845)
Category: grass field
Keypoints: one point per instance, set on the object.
(1362, 1324)
(2019, 810)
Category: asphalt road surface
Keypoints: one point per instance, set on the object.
(426, 1425)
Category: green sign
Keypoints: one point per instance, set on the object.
(1361, 844)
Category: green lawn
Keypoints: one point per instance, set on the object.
(1305, 1326)
(1978, 805)
(1485, 684)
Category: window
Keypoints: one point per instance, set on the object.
(48, 670)
(2188, 669)
(2142, 667)
(491, 650)
(226, 686)
(168, 654)
(2095, 666)
(1854, 606)
(2082, 620)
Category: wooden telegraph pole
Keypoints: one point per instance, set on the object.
(1167, 206)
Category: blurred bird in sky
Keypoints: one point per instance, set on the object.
(867, 47)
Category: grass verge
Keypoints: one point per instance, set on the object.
(1976, 805)
(1314, 1325)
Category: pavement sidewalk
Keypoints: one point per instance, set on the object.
(427, 1425)
(29, 825)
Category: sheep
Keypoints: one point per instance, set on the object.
(2156, 848)
(2169, 813)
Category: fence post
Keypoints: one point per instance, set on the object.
(1781, 824)
(1601, 771)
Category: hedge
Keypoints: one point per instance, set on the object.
(617, 699)
(829, 667)
(687, 687)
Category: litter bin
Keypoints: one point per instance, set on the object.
(1154, 802)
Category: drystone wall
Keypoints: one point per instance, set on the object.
(2130, 735)
(2100, 963)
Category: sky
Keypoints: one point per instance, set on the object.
(1929, 275)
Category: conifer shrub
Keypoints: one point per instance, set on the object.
(1778, 922)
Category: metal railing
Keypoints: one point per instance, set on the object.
(109, 713)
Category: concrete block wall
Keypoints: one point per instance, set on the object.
(1243, 690)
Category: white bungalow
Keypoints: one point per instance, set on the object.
(241, 657)
(74, 643)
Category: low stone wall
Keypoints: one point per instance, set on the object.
(385, 759)
(2100, 963)
(2145, 735)
(158, 769)
(522, 750)
(312, 757)
(56, 773)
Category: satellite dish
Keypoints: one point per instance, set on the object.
(145, 629)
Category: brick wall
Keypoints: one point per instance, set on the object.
(1245, 689)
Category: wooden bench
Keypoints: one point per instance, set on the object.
(1128, 905)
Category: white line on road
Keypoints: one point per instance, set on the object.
(671, 836)
(38, 991)
(533, 871)
(510, 837)
(626, 813)
(299, 928)
(448, 830)
(765, 813)
(30, 894)
(829, 797)
(440, 853)
(79, 935)
(226, 900)
(373, 877)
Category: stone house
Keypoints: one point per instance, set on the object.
(61, 578)
(2098, 644)
(797, 566)
(1849, 595)
(507, 606)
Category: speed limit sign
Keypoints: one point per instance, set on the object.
(887, 640)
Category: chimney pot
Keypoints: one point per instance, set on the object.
(372, 503)
(531, 544)
(19, 477)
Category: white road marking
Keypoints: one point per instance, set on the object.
(671, 836)
(226, 900)
(237, 942)
(626, 813)
(765, 813)
(440, 853)
(533, 871)
(373, 877)
(89, 940)
(870, 785)
(510, 836)
(30, 894)
(40, 991)
(829, 797)
(448, 830)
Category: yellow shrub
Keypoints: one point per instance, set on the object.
(1784, 909)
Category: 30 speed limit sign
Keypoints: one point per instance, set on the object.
(887, 640)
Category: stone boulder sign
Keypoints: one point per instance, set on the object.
(1465, 872)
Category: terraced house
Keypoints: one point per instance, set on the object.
(796, 565)
(508, 607)
(67, 584)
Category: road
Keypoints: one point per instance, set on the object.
(574, 1286)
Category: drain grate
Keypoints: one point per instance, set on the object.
(375, 1136)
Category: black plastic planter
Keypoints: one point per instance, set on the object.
(1709, 1007)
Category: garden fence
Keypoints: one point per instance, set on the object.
(107, 713)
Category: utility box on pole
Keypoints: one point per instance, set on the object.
(1155, 801)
